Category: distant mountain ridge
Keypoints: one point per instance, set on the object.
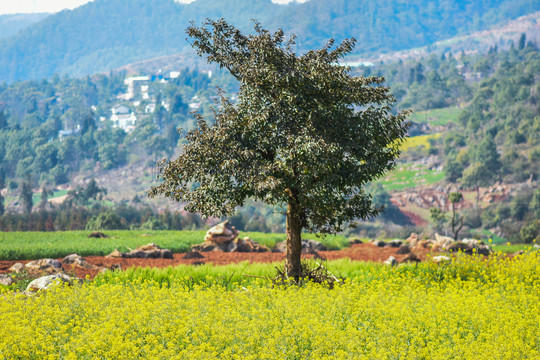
(10, 24)
(105, 34)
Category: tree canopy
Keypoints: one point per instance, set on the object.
(303, 134)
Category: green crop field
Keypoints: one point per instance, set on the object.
(469, 308)
(409, 176)
(436, 117)
(36, 245)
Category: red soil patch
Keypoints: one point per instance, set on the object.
(357, 252)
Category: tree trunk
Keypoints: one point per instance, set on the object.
(294, 239)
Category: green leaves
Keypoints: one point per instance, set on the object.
(295, 132)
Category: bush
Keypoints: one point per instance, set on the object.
(106, 221)
(154, 224)
(530, 231)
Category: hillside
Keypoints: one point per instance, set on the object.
(10, 24)
(105, 34)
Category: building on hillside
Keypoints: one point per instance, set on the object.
(136, 85)
(70, 132)
(122, 117)
(150, 108)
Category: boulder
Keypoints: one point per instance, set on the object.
(422, 245)
(394, 243)
(470, 247)
(6, 280)
(17, 268)
(116, 254)
(221, 234)
(97, 235)
(412, 257)
(150, 251)
(391, 261)
(45, 282)
(472, 242)
(77, 261)
(44, 265)
(443, 242)
(441, 259)
(193, 255)
(413, 239)
(379, 243)
(246, 245)
(308, 247)
(404, 249)
(205, 247)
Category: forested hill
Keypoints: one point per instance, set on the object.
(105, 34)
(11, 24)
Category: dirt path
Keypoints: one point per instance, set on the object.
(358, 252)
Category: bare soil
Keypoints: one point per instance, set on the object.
(357, 252)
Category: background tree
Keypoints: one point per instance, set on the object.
(26, 197)
(457, 221)
(476, 175)
(438, 217)
(2, 185)
(304, 135)
(535, 203)
(44, 198)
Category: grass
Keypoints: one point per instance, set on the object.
(511, 248)
(408, 176)
(437, 117)
(37, 245)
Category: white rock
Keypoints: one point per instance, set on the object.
(6, 280)
(391, 261)
(17, 268)
(45, 282)
(441, 259)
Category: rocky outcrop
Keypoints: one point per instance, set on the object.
(17, 268)
(379, 243)
(308, 247)
(193, 255)
(441, 259)
(44, 265)
(97, 235)
(246, 245)
(404, 249)
(45, 282)
(150, 251)
(470, 246)
(236, 245)
(446, 243)
(394, 243)
(224, 237)
(442, 242)
(6, 280)
(75, 260)
(222, 233)
(391, 261)
(412, 257)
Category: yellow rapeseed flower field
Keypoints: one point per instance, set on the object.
(469, 309)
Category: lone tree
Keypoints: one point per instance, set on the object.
(303, 135)
(457, 221)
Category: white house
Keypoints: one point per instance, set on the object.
(150, 108)
(123, 118)
(136, 84)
